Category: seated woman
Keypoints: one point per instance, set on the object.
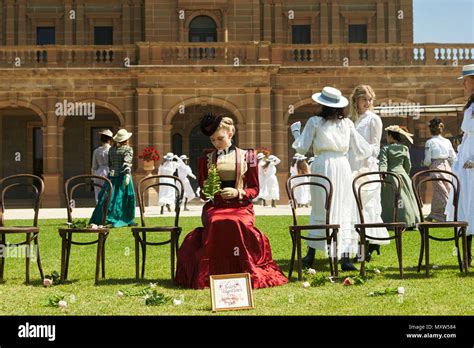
(229, 242)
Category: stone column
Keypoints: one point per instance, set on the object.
(324, 22)
(157, 119)
(392, 22)
(265, 117)
(143, 127)
(380, 22)
(10, 22)
(67, 23)
(80, 27)
(279, 35)
(21, 23)
(280, 144)
(267, 21)
(335, 20)
(250, 117)
(256, 20)
(53, 180)
(126, 23)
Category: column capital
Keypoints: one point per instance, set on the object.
(156, 90)
(142, 91)
(265, 89)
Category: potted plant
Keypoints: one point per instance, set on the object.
(149, 156)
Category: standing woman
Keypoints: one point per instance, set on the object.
(272, 190)
(100, 159)
(166, 194)
(184, 170)
(370, 126)
(464, 165)
(332, 135)
(121, 211)
(395, 158)
(228, 242)
(261, 176)
(439, 154)
(302, 193)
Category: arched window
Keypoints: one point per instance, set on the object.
(202, 29)
(177, 144)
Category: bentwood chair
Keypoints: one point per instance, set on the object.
(36, 185)
(70, 187)
(140, 233)
(459, 227)
(362, 182)
(319, 182)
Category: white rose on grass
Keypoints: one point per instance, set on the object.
(119, 294)
(152, 285)
(306, 285)
(62, 304)
(177, 302)
(435, 266)
(401, 290)
(376, 271)
(94, 226)
(47, 282)
(311, 271)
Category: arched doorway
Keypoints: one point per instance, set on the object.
(193, 141)
(202, 29)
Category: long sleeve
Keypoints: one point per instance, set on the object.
(383, 159)
(375, 136)
(359, 148)
(277, 161)
(304, 141)
(127, 161)
(427, 160)
(407, 162)
(251, 185)
(452, 154)
(202, 175)
(95, 163)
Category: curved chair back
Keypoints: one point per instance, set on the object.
(15, 181)
(73, 183)
(359, 183)
(425, 176)
(151, 181)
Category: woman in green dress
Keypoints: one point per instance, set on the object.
(395, 158)
(121, 210)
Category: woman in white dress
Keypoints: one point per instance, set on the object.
(439, 154)
(331, 135)
(184, 170)
(463, 167)
(167, 195)
(272, 190)
(100, 159)
(302, 194)
(370, 126)
(261, 176)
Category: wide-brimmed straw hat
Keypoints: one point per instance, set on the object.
(107, 132)
(260, 155)
(467, 70)
(399, 130)
(169, 156)
(122, 135)
(184, 157)
(331, 97)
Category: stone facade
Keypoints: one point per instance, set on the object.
(151, 80)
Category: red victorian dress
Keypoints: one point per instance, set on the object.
(229, 242)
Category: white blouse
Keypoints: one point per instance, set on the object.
(370, 127)
(438, 147)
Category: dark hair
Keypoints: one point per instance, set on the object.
(395, 135)
(302, 167)
(329, 113)
(469, 102)
(436, 126)
(104, 138)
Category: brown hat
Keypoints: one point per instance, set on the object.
(399, 130)
(210, 123)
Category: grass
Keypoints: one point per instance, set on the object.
(446, 292)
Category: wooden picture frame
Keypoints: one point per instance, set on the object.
(231, 292)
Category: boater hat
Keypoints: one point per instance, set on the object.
(260, 156)
(122, 135)
(331, 97)
(184, 157)
(169, 156)
(397, 129)
(107, 132)
(467, 70)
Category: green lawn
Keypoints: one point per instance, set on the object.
(446, 292)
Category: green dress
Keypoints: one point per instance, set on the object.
(395, 158)
(121, 210)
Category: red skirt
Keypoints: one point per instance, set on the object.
(228, 243)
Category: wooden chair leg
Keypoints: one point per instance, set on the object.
(334, 251)
(2, 258)
(137, 255)
(63, 257)
(143, 243)
(328, 248)
(68, 252)
(298, 255)
(98, 258)
(457, 235)
(362, 247)
(398, 240)
(427, 252)
(422, 249)
(28, 258)
(103, 256)
(172, 254)
(38, 257)
(464, 250)
(293, 251)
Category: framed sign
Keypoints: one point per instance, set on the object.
(231, 292)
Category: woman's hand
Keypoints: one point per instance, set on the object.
(229, 193)
(469, 164)
(126, 181)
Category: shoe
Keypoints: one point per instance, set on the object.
(186, 209)
(309, 258)
(169, 208)
(162, 209)
(273, 204)
(346, 265)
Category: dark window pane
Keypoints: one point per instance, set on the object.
(177, 146)
(103, 36)
(202, 29)
(38, 151)
(301, 34)
(358, 33)
(45, 36)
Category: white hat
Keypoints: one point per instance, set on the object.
(184, 157)
(397, 129)
(169, 156)
(107, 132)
(301, 158)
(272, 158)
(467, 70)
(311, 159)
(331, 97)
(260, 155)
(297, 156)
(122, 135)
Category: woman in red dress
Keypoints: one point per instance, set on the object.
(229, 242)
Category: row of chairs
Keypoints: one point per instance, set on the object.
(398, 227)
(174, 231)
